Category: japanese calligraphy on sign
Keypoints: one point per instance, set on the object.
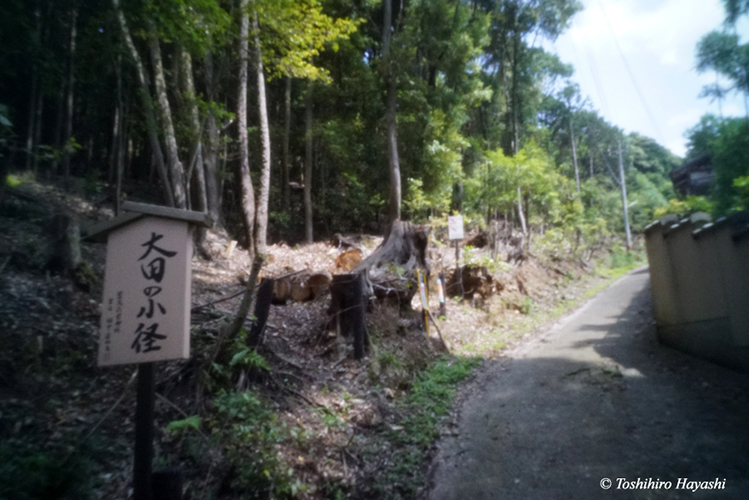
(146, 306)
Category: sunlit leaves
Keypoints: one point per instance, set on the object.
(293, 32)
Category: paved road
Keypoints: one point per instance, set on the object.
(597, 397)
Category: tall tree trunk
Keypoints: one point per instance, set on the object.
(574, 156)
(39, 111)
(145, 98)
(623, 185)
(197, 159)
(116, 130)
(308, 236)
(120, 146)
(261, 228)
(30, 145)
(515, 122)
(71, 95)
(286, 135)
(248, 192)
(57, 137)
(591, 166)
(210, 148)
(390, 115)
(174, 165)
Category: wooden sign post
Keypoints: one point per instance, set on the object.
(146, 307)
(455, 233)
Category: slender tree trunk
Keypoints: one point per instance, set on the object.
(574, 156)
(116, 130)
(174, 165)
(308, 166)
(390, 116)
(210, 148)
(145, 97)
(286, 134)
(248, 192)
(623, 185)
(57, 138)
(37, 129)
(261, 228)
(591, 166)
(521, 215)
(30, 145)
(71, 95)
(115, 141)
(197, 159)
(32, 116)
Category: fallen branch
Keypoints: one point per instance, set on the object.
(298, 394)
(197, 308)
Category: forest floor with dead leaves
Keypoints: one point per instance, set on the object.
(299, 418)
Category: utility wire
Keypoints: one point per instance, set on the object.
(631, 74)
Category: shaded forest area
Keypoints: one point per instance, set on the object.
(287, 120)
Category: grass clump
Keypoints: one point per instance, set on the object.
(430, 399)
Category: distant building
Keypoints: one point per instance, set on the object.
(695, 177)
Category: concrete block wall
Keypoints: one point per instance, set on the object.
(699, 276)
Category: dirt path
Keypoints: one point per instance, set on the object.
(597, 397)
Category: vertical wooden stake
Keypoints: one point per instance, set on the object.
(459, 271)
(441, 287)
(143, 432)
(421, 283)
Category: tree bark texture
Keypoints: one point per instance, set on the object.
(197, 159)
(263, 302)
(285, 156)
(174, 165)
(30, 144)
(145, 97)
(210, 148)
(248, 192)
(261, 229)
(405, 246)
(71, 93)
(574, 156)
(348, 307)
(308, 236)
(623, 185)
(391, 104)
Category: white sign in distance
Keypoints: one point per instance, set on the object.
(455, 227)
(146, 305)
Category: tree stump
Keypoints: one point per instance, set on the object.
(405, 246)
(390, 271)
(347, 307)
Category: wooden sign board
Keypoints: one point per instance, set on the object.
(147, 280)
(455, 227)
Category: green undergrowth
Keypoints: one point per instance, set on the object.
(429, 401)
(29, 472)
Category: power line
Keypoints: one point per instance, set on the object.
(631, 74)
